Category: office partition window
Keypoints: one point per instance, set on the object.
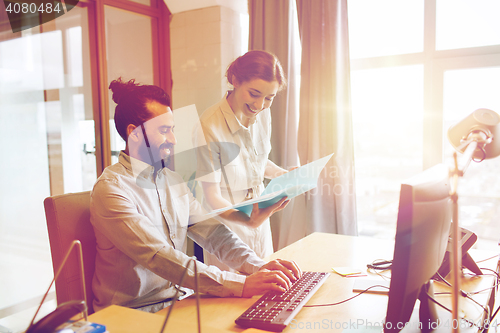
(57, 129)
(47, 125)
(417, 68)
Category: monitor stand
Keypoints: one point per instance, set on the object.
(468, 239)
(428, 316)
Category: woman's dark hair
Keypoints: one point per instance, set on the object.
(256, 64)
(132, 99)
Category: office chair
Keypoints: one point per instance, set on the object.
(68, 219)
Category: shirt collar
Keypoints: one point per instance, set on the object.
(231, 120)
(137, 167)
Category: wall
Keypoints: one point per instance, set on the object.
(204, 42)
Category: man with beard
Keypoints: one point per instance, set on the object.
(142, 214)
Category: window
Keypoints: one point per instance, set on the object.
(463, 24)
(55, 117)
(416, 69)
(47, 119)
(396, 28)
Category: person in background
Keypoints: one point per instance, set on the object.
(242, 117)
(142, 214)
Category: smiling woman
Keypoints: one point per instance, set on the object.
(242, 117)
(251, 97)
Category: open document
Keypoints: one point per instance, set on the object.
(288, 185)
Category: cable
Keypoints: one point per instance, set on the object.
(449, 310)
(467, 294)
(443, 279)
(191, 260)
(380, 264)
(463, 293)
(496, 285)
(346, 300)
(495, 272)
(483, 260)
(385, 277)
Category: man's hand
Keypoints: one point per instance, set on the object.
(289, 268)
(277, 275)
(259, 215)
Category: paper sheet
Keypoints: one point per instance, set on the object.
(288, 185)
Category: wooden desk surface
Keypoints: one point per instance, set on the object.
(320, 252)
(316, 252)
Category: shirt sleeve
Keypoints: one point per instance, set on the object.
(115, 214)
(219, 240)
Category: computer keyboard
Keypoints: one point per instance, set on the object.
(274, 310)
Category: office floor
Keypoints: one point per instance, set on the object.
(26, 273)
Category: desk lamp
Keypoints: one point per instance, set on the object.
(477, 137)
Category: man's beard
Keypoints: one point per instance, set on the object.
(164, 157)
(156, 156)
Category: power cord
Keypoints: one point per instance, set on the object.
(471, 323)
(380, 264)
(467, 295)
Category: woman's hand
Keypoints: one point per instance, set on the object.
(259, 215)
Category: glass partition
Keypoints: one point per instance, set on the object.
(46, 144)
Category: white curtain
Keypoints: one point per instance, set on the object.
(325, 124)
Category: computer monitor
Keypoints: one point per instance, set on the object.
(423, 227)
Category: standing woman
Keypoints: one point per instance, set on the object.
(242, 117)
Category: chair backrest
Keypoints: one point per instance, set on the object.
(68, 219)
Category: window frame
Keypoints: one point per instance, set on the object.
(436, 63)
(159, 14)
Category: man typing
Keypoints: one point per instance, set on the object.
(142, 214)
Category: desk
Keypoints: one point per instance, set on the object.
(316, 252)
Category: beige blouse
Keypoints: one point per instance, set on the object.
(237, 156)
